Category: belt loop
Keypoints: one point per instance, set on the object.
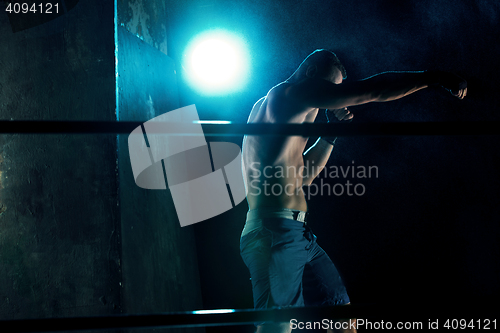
(301, 216)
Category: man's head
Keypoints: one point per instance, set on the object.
(322, 64)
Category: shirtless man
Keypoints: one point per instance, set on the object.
(286, 265)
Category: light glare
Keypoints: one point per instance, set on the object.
(216, 63)
(212, 122)
(213, 311)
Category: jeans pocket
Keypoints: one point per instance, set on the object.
(308, 234)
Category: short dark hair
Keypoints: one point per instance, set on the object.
(324, 59)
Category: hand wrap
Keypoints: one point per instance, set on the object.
(331, 119)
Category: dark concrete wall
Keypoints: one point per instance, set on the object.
(77, 236)
(148, 20)
(160, 269)
(59, 225)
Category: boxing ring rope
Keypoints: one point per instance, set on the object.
(240, 129)
(231, 317)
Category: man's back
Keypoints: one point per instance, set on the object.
(273, 165)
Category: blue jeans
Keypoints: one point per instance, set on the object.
(287, 266)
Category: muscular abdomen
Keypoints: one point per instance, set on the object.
(272, 171)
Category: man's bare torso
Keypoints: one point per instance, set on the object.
(273, 165)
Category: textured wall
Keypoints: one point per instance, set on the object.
(58, 197)
(77, 236)
(145, 19)
(160, 270)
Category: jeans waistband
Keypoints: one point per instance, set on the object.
(255, 217)
(285, 213)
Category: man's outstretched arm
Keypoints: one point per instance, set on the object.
(384, 87)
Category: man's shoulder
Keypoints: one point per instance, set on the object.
(275, 91)
(281, 100)
(279, 94)
(290, 90)
(279, 89)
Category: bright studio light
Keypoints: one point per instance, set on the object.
(216, 63)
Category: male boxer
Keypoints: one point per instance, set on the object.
(287, 266)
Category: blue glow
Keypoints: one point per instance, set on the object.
(213, 311)
(211, 122)
(216, 63)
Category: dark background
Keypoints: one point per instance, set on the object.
(427, 229)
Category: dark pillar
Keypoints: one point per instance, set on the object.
(77, 236)
(159, 262)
